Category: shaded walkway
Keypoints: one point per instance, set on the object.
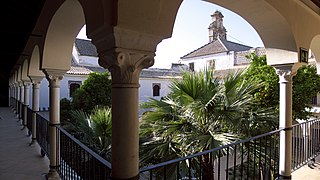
(18, 160)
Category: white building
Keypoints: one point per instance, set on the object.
(219, 54)
(154, 82)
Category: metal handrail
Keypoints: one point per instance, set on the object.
(209, 151)
(94, 154)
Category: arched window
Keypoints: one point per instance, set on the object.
(73, 86)
(156, 89)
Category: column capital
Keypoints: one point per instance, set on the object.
(20, 83)
(54, 76)
(125, 65)
(26, 83)
(286, 72)
(36, 79)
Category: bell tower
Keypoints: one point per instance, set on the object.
(216, 28)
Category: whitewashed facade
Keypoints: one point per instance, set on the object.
(85, 61)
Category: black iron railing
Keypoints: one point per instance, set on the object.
(22, 113)
(29, 120)
(42, 134)
(19, 109)
(77, 161)
(252, 158)
(305, 142)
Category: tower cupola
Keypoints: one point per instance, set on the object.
(216, 28)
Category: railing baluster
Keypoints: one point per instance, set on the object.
(178, 170)
(241, 165)
(254, 157)
(227, 163)
(260, 150)
(234, 161)
(219, 155)
(200, 167)
(248, 161)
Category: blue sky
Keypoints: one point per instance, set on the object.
(191, 31)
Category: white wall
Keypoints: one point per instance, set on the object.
(88, 60)
(223, 61)
(64, 89)
(146, 91)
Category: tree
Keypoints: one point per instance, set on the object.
(95, 91)
(93, 130)
(201, 113)
(305, 85)
(268, 94)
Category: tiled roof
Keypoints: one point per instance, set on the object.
(217, 46)
(78, 70)
(145, 73)
(86, 48)
(159, 73)
(224, 73)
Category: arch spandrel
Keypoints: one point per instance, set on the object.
(150, 17)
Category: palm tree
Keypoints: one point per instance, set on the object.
(201, 113)
(93, 130)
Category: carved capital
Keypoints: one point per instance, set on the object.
(285, 74)
(54, 80)
(54, 77)
(36, 79)
(125, 65)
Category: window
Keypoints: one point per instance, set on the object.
(191, 66)
(73, 86)
(156, 89)
(211, 64)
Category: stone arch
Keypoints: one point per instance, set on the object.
(61, 33)
(34, 63)
(315, 48)
(19, 78)
(24, 72)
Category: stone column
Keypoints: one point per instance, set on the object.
(21, 99)
(54, 78)
(35, 105)
(285, 72)
(17, 98)
(26, 101)
(9, 95)
(125, 67)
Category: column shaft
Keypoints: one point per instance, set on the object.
(285, 80)
(54, 116)
(125, 133)
(35, 108)
(26, 102)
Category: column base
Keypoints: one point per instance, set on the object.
(33, 142)
(281, 177)
(132, 178)
(53, 174)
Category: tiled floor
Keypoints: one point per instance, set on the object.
(18, 160)
(311, 172)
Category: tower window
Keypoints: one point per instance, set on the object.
(73, 86)
(191, 66)
(156, 89)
